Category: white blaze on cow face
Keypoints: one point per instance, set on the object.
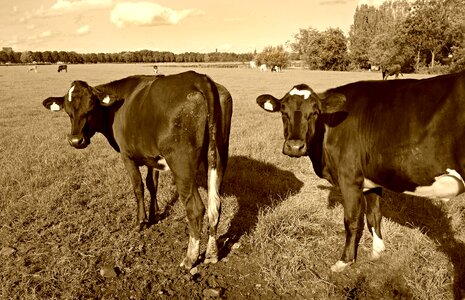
(54, 107)
(70, 92)
(305, 93)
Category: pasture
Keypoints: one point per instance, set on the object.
(68, 219)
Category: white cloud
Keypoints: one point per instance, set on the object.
(47, 33)
(70, 5)
(147, 14)
(83, 30)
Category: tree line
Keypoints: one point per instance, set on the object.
(7, 55)
(422, 34)
(417, 35)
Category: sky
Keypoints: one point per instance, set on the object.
(108, 26)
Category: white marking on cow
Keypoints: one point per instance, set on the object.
(378, 245)
(339, 266)
(70, 92)
(162, 165)
(368, 184)
(54, 107)
(193, 251)
(444, 187)
(212, 251)
(268, 106)
(297, 92)
(106, 100)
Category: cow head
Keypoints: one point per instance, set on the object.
(300, 109)
(83, 104)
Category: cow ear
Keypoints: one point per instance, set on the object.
(54, 103)
(269, 103)
(105, 98)
(333, 103)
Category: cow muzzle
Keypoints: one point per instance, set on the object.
(295, 148)
(78, 142)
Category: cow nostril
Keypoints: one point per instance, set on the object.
(77, 142)
(295, 147)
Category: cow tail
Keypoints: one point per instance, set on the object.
(213, 111)
(215, 167)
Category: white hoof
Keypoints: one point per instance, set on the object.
(340, 266)
(378, 247)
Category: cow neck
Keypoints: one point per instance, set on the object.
(315, 149)
(108, 117)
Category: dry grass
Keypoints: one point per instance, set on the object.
(68, 213)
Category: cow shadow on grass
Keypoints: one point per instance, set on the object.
(256, 185)
(429, 215)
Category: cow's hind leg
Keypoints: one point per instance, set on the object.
(138, 186)
(152, 185)
(374, 217)
(189, 195)
(354, 208)
(215, 176)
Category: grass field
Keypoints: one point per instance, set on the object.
(67, 215)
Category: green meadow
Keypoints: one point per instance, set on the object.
(68, 215)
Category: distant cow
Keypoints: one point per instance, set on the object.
(172, 122)
(32, 69)
(403, 135)
(252, 64)
(276, 68)
(155, 69)
(390, 71)
(63, 68)
(263, 68)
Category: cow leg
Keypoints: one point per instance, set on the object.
(215, 177)
(136, 180)
(354, 207)
(374, 217)
(189, 195)
(152, 185)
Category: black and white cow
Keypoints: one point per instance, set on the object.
(175, 123)
(404, 135)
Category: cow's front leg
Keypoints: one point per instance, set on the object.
(354, 208)
(152, 185)
(374, 217)
(189, 195)
(138, 186)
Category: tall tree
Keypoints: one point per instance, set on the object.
(361, 33)
(322, 50)
(428, 27)
(387, 47)
(273, 56)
